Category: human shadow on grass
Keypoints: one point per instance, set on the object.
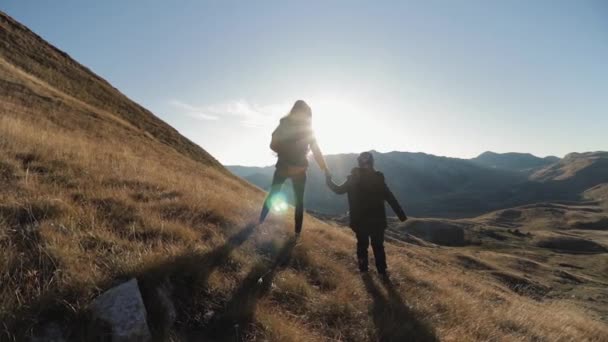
(235, 320)
(393, 320)
(186, 277)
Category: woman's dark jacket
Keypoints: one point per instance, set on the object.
(292, 141)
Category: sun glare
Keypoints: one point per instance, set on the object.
(278, 203)
(344, 126)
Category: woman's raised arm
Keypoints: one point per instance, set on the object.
(316, 152)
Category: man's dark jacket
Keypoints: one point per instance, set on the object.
(367, 193)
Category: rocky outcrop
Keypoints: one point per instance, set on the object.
(441, 232)
(122, 309)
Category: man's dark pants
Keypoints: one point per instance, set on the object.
(376, 235)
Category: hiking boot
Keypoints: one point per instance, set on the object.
(384, 276)
(362, 266)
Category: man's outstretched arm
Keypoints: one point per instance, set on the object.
(338, 189)
(392, 201)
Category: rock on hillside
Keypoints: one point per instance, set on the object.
(123, 310)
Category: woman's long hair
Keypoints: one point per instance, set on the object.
(300, 113)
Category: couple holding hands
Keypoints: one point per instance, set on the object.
(365, 187)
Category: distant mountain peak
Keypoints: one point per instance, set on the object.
(583, 167)
(512, 161)
(512, 154)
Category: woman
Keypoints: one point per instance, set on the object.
(292, 140)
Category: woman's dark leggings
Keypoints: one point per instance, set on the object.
(299, 183)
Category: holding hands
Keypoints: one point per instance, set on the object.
(328, 178)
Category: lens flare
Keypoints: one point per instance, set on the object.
(278, 203)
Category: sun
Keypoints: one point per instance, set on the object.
(343, 125)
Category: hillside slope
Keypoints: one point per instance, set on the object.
(555, 250)
(587, 168)
(95, 190)
(63, 78)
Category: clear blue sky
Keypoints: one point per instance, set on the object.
(451, 78)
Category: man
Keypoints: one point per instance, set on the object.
(367, 193)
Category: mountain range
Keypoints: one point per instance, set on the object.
(433, 186)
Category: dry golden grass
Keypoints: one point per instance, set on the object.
(90, 196)
(80, 214)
